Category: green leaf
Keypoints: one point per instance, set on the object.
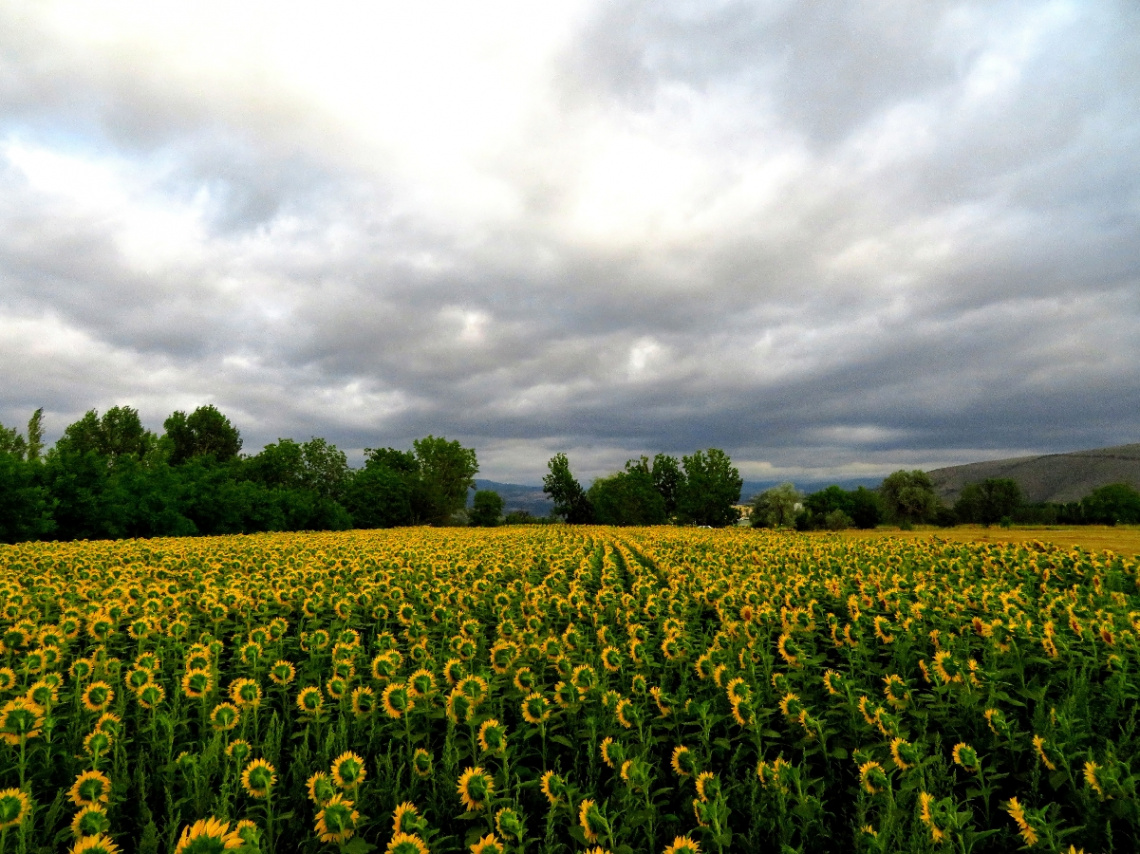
(839, 753)
(357, 845)
(563, 740)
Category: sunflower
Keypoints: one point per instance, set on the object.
(363, 701)
(258, 778)
(7, 678)
(422, 763)
(475, 788)
(406, 819)
(150, 695)
(1025, 829)
(474, 688)
(489, 844)
(224, 717)
(406, 843)
(965, 756)
(239, 750)
(98, 696)
(612, 753)
(872, 777)
(282, 672)
(625, 713)
(336, 687)
(535, 709)
(100, 844)
(708, 786)
(96, 743)
(310, 700)
(683, 761)
(246, 693)
(525, 679)
(453, 671)
(553, 787)
(21, 719)
(509, 824)
(492, 737)
(208, 836)
(348, 770)
(15, 806)
(336, 822)
(197, 682)
(90, 787)
(592, 821)
(43, 693)
(90, 821)
(683, 845)
(321, 788)
(397, 700)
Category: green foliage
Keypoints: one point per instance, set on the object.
(570, 501)
(205, 432)
(710, 490)
(1116, 503)
(776, 507)
(117, 434)
(628, 497)
(909, 496)
(867, 509)
(25, 506)
(989, 501)
(446, 472)
(380, 496)
(486, 508)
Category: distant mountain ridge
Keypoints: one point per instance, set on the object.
(1057, 478)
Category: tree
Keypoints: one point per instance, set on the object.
(1116, 503)
(776, 507)
(25, 507)
(570, 501)
(486, 508)
(909, 496)
(866, 508)
(628, 497)
(446, 472)
(710, 489)
(989, 501)
(667, 478)
(379, 497)
(117, 434)
(35, 435)
(204, 432)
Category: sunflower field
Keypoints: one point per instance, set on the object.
(564, 689)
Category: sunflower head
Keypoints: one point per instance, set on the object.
(397, 700)
(15, 806)
(553, 787)
(475, 788)
(224, 717)
(337, 820)
(492, 737)
(239, 750)
(258, 778)
(592, 820)
(684, 762)
(683, 845)
(321, 788)
(20, 718)
(207, 836)
(99, 844)
(348, 770)
(90, 787)
(406, 843)
(90, 821)
(309, 700)
(510, 824)
(489, 844)
(282, 672)
(422, 763)
(406, 819)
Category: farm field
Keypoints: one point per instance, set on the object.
(1121, 539)
(567, 689)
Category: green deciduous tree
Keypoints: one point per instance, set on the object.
(570, 501)
(710, 489)
(204, 432)
(989, 501)
(775, 507)
(486, 508)
(446, 472)
(628, 497)
(909, 496)
(1116, 503)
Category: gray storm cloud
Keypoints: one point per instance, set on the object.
(832, 240)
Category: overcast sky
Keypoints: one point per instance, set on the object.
(832, 238)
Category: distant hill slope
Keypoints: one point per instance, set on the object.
(1052, 477)
(516, 496)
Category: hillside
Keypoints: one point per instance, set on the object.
(1051, 477)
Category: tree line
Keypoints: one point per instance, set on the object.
(908, 498)
(109, 477)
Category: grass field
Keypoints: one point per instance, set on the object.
(1119, 539)
(559, 690)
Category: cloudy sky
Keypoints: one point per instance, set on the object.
(833, 239)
